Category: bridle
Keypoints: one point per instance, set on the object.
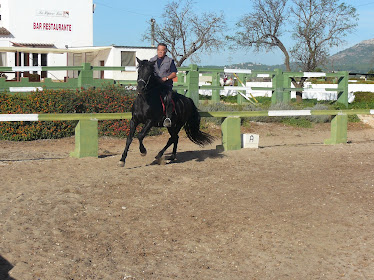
(145, 82)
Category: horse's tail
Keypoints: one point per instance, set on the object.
(192, 128)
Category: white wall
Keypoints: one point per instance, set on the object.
(29, 22)
(114, 59)
(60, 23)
(5, 18)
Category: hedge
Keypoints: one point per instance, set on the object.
(109, 99)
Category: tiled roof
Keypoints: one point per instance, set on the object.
(33, 45)
(4, 31)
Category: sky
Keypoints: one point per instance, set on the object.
(123, 23)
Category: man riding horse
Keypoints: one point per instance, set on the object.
(166, 70)
(149, 109)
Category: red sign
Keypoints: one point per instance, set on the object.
(51, 26)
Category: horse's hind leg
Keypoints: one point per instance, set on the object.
(173, 131)
(141, 136)
(174, 134)
(133, 126)
(168, 144)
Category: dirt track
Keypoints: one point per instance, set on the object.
(292, 209)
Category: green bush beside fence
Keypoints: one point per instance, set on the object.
(109, 99)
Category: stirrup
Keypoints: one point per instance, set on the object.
(167, 122)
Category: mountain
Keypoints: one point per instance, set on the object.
(359, 58)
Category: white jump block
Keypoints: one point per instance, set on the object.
(250, 140)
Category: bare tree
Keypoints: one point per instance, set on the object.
(263, 28)
(314, 25)
(186, 33)
(318, 26)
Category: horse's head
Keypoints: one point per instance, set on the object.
(145, 74)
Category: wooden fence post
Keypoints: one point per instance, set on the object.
(286, 89)
(181, 80)
(343, 89)
(85, 78)
(339, 126)
(216, 92)
(193, 84)
(278, 79)
(231, 139)
(86, 139)
(239, 98)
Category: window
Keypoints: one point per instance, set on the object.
(26, 59)
(35, 61)
(3, 59)
(128, 58)
(17, 59)
(102, 63)
(44, 63)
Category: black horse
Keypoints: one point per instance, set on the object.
(149, 109)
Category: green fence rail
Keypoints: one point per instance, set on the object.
(86, 131)
(188, 81)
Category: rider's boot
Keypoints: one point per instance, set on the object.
(167, 122)
(169, 111)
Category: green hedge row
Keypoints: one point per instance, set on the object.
(363, 100)
(110, 99)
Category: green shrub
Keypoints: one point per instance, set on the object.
(214, 107)
(318, 119)
(363, 100)
(49, 101)
(110, 99)
(364, 97)
(278, 106)
(298, 122)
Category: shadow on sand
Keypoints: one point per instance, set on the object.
(198, 156)
(5, 267)
(187, 156)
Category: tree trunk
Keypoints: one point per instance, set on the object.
(299, 97)
(300, 84)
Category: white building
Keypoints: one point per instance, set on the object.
(58, 33)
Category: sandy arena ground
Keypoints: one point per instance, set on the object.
(292, 209)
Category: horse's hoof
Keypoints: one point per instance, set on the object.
(161, 160)
(121, 164)
(171, 159)
(143, 154)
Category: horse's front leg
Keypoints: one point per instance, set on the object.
(133, 126)
(141, 136)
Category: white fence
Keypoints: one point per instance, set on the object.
(311, 91)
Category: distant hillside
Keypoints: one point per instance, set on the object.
(359, 58)
(249, 65)
(252, 66)
(258, 66)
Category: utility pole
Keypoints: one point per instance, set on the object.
(153, 21)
